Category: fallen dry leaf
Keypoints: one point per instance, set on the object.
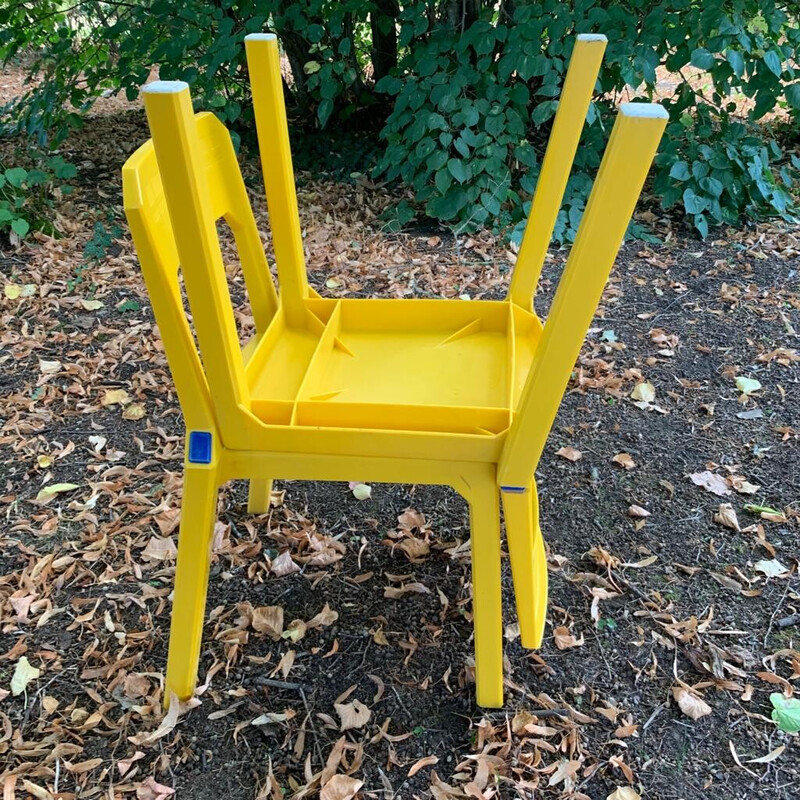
(148, 738)
(624, 793)
(624, 460)
(49, 492)
(743, 486)
(160, 548)
(269, 621)
(570, 453)
(691, 704)
(769, 757)
(113, 397)
(638, 511)
(727, 516)
(564, 639)
(341, 787)
(24, 673)
(149, 789)
(325, 617)
(352, 715)
(772, 568)
(711, 482)
(644, 393)
(427, 761)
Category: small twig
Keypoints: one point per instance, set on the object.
(276, 684)
(787, 622)
(313, 729)
(652, 717)
(775, 614)
(551, 712)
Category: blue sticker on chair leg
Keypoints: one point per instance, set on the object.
(514, 489)
(199, 447)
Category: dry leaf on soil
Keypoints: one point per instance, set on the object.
(644, 394)
(638, 511)
(743, 486)
(772, 568)
(564, 639)
(149, 789)
(341, 787)
(691, 704)
(624, 793)
(353, 715)
(148, 738)
(269, 621)
(727, 516)
(570, 453)
(711, 482)
(427, 761)
(624, 460)
(24, 673)
(325, 617)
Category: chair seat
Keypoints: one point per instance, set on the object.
(448, 366)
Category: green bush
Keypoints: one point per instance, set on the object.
(472, 110)
(467, 88)
(27, 195)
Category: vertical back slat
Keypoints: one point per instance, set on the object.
(633, 143)
(176, 142)
(155, 246)
(573, 105)
(263, 63)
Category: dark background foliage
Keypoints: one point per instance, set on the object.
(462, 91)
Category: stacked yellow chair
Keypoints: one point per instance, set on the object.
(446, 392)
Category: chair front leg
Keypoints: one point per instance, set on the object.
(258, 494)
(528, 562)
(487, 609)
(198, 515)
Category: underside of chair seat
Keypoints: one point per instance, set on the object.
(448, 366)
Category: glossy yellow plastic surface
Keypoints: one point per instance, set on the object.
(456, 393)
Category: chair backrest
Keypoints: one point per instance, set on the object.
(176, 187)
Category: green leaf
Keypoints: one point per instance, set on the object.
(680, 171)
(736, 60)
(544, 111)
(443, 180)
(786, 712)
(16, 176)
(702, 59)
(324, 111)
(701, 223)
(711, 186)
(773, 62)
(459, 170)
(388, 84)
(693, 203)
(793, 95)
(20, 226)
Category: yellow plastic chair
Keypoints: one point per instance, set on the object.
(444, 392)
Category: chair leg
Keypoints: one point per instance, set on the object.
(258, 495)
(528, 562)
(487, 610)
(198, 515)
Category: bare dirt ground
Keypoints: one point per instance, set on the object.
(672, 597)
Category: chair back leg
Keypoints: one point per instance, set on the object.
(573, 105)
(263, 64)
(634, 139)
